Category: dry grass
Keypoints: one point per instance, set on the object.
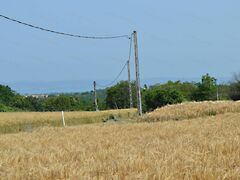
(26, 121)
(192, 110)
(204, 148)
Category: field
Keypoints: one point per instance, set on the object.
(191, 110)
(15, 122)
(204, 147)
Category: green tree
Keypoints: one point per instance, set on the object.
(20, 102)
(161, 96)
(118, 96)
(6, 94)
(206, 89)
(58, 103)
(35, 104)
(187, 89)
(234, 89)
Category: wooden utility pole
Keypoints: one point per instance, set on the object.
(129, 85)
(138, 85)
(129, 75)
(95, 95)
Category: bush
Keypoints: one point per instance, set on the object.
(234, 89)
(4, 108)
(158, 97)
(118, 96)
(206, 89)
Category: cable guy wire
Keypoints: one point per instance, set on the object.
(63, 33)
(111, 83)
(129, 57)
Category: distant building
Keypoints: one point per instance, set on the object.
(38, 96)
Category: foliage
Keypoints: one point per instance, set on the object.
(4, 108)
(206, 89)
(234, 89)
(160, 96)
(6, 94)
(118, 96)
(60, 103)
(187, 89)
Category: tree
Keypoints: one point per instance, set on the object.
(20, 102)
(6, 94)
(118, 96)
(36, 104)
(58, 103)
(234, 89)
(206, 89)
(161, 96)
(187, 89)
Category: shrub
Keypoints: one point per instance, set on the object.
(158, 97)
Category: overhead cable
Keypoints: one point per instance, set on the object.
(63, 33)
(117, 77)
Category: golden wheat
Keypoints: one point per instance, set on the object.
(204, 148)
(24, 121)
(191, 110)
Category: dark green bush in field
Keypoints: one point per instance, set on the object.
(118, 96)
(58, 103)
(158, 97)
(234, 88)
(4, 108)
(6, 94)
(206, 89)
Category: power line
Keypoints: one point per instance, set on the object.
(111, 83)
(63, 33)
(129, 57)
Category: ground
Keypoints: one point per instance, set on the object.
(193, 145)
(199, 148)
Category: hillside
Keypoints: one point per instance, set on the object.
(202, 148)
(190, 110)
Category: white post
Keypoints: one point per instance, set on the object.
(63, 120)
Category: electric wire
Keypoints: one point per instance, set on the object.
(63, 33)
(117, 77)
(81, 36)
(128, 61)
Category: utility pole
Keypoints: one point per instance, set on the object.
(139, 98)
(95, 95)
(129, 76)
(129, 85)
(217, 91)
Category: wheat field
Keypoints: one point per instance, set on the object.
(14, 122)
(189, 110)
(202, 148)
(205, 144)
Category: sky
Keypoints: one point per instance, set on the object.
(177, 40)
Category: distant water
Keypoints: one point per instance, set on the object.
(28, 87)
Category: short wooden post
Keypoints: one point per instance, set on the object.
(63, 120)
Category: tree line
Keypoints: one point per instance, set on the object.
(117, 96)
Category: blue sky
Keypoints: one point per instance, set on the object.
(179, 39)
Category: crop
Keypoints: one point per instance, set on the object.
(14, 122)
(189, 110)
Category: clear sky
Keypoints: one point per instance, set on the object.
(177, 38)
